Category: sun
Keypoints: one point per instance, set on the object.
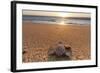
(62, 23)
(62, 14)
(63, 18)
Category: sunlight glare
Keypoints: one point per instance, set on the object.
(63, 14)
(62, 23)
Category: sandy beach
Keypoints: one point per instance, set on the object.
(38, 38)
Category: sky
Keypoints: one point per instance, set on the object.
(58, 14)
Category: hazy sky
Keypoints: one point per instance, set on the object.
(58, 14)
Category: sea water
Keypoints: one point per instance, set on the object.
(57, 20)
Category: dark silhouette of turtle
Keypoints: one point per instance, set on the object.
(61, 51)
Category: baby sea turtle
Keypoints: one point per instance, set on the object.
(61, 50)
